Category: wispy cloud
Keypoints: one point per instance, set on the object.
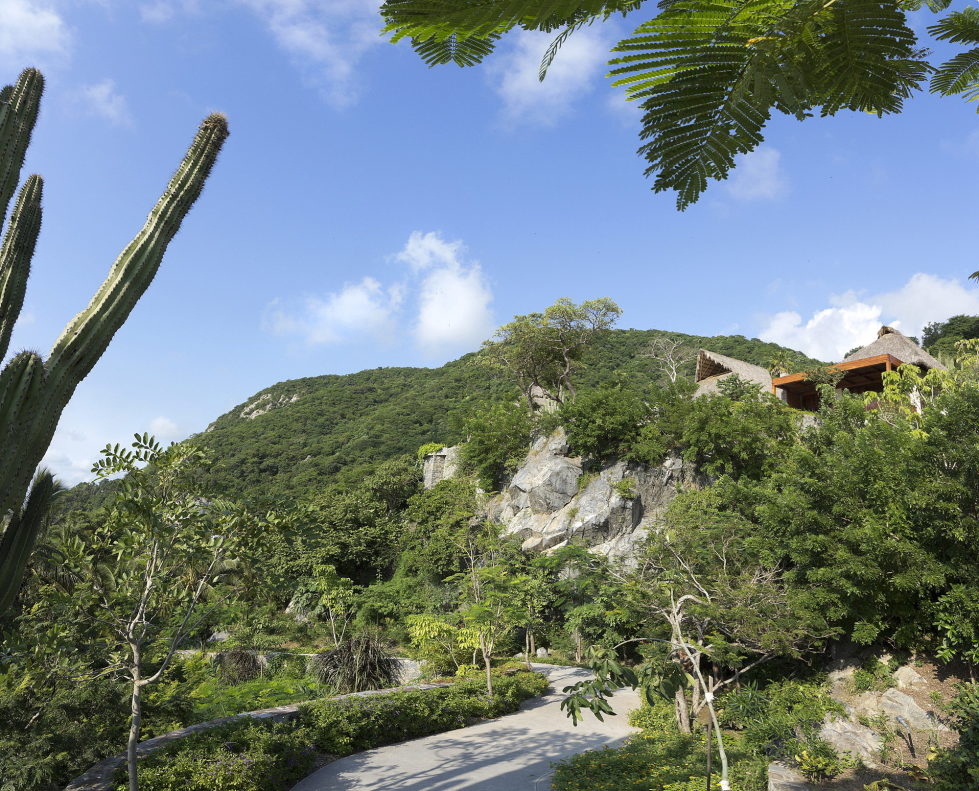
(325, 40)
(162, 11)
(358, 310)
(758, 176)
(851, 321)
(577, 69)
(103, 100)
(31, 31)
(442, 302)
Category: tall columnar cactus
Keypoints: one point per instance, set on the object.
(34, 391)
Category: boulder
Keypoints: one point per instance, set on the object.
(909, 678)
(851, 737)
(898, 704)
(785, 778)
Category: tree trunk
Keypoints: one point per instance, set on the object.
(578, 647)
(528, 641)
(135, 721)
(681, 711)
(487, 656)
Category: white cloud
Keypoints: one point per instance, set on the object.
(425, 250)
(851, 321)
(364, 308)
(454, 308)
(327, 40)
(758, 176)
(30, 31)
(576, 68)
(443, 304)
(103, 100)
(163, 428)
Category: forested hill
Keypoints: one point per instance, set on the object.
(325, 427)
(294, 438)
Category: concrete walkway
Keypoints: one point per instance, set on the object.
(511, 753)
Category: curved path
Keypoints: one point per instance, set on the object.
(506, 754)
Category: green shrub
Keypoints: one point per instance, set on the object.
(428, 448)
(655, 719)
(240, 757)
(626, 488)
(790, 720)
(819, 761)
(873, 675)
(957, 768)
(341, 727)
(258, 756)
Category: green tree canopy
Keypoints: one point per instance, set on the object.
(710, 73)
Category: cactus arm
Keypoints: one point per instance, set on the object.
(15, 256)
(21, 388)
(88, 334)
(19, 106)
(18, 539)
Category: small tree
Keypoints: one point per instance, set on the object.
(669, 355)
(140, 579)
(541, 351)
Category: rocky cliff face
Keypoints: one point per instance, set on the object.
(551, 502)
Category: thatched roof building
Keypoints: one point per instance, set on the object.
(862, 371)
(891, 341)
(712, 368)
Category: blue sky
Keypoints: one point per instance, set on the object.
(368, 211)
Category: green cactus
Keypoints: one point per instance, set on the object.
(34, 391)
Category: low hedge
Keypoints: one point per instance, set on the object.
(257, 756)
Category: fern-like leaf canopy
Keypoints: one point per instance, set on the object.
(960, 74)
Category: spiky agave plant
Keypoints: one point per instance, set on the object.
(33, 390)
(357, 664)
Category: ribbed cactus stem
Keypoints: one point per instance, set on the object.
(18, 539)
(33, 392)
(15, 256)
(19, 106)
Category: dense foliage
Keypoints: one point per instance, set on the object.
(254, 756)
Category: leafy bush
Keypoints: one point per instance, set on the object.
(357, 664)
(873, 675)
(957, 768)
(261, 756)
(428, 448)
(341, 727)
(819, 761)
(742, 706)
(241, 757)
(662, 760)
(499, 437)
(656, 718)
(790, 719)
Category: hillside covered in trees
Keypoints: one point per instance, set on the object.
(322, 429)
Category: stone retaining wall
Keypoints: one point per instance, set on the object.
(99, 777)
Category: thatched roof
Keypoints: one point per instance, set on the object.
(891, 341)
(713, 367)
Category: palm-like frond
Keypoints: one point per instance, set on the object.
(460, 50)
(480, 18)
(961, 73)
(710, 72)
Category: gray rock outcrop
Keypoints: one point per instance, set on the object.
(848, 736)
(784, 778)
(440, 466)
(549, 502)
